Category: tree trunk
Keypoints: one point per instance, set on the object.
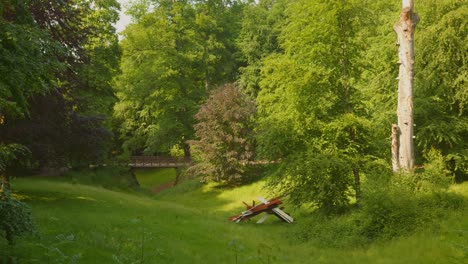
(187, 153)
(395, 145)
(357, 185)
(5, 188)
(405, 32)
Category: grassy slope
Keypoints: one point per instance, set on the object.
(149, 178)
(188, 225)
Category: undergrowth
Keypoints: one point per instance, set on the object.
(397, 222)
(386, 212)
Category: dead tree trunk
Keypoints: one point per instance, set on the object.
(405, 31)
(395, 145)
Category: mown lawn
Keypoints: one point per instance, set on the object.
(188, 224)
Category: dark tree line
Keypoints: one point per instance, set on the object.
(63, 55)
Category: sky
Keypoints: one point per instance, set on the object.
(124, 19)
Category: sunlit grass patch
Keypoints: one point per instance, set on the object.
(188, 224)
(210, 195)
(461, 189)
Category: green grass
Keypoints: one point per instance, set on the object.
(117, 178)
(188, 224)
(149, 178)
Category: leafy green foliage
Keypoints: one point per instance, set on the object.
(320, 178)
(442, 92)
(15, 219)
(172, 56)
(157, 97)
(9, 153)
(224, 130)
(74, 55)
(21, 38)
(311, 115)
(435, 175)
(387, 212)
(397, 210)
(258, 38)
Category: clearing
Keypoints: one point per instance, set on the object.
(188, 224)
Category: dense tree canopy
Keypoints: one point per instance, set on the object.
(63, 55)
(172, 56)
(27, 61)
(310, 112)
(327, 90)
(322, 74)
(442, 90)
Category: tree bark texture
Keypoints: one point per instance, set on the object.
(405, 32)
(395, 145)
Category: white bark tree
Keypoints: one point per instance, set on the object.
(405, 32)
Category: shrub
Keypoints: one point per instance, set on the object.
(337, 231)
(15, 219)
(435, 174)
(389, 214)
(320, 178)
(392, 209)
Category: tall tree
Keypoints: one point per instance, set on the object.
(310, 112)
(405, 31)
(225, 141)
(440, 118)
(27, 66)
(28, 62)
(159, 87)
(21, 38)
(440, 83)
(66, 124)
(258, 39)
(172, 56)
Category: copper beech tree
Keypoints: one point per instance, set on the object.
(225, 144)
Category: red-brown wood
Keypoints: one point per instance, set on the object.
(255, 210)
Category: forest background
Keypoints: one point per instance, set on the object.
(312, 84)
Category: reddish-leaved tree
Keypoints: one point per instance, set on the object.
(225, 144)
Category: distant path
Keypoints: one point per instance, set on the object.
(158, 162)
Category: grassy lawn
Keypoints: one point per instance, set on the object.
(188, 224)
(149, 178)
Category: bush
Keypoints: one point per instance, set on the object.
(112, 177)
(338, 231)
(435, 175)
(15, 219)
(390, 214)
(320, 178)
(389, 210)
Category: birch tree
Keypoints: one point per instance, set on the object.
(405, 144)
